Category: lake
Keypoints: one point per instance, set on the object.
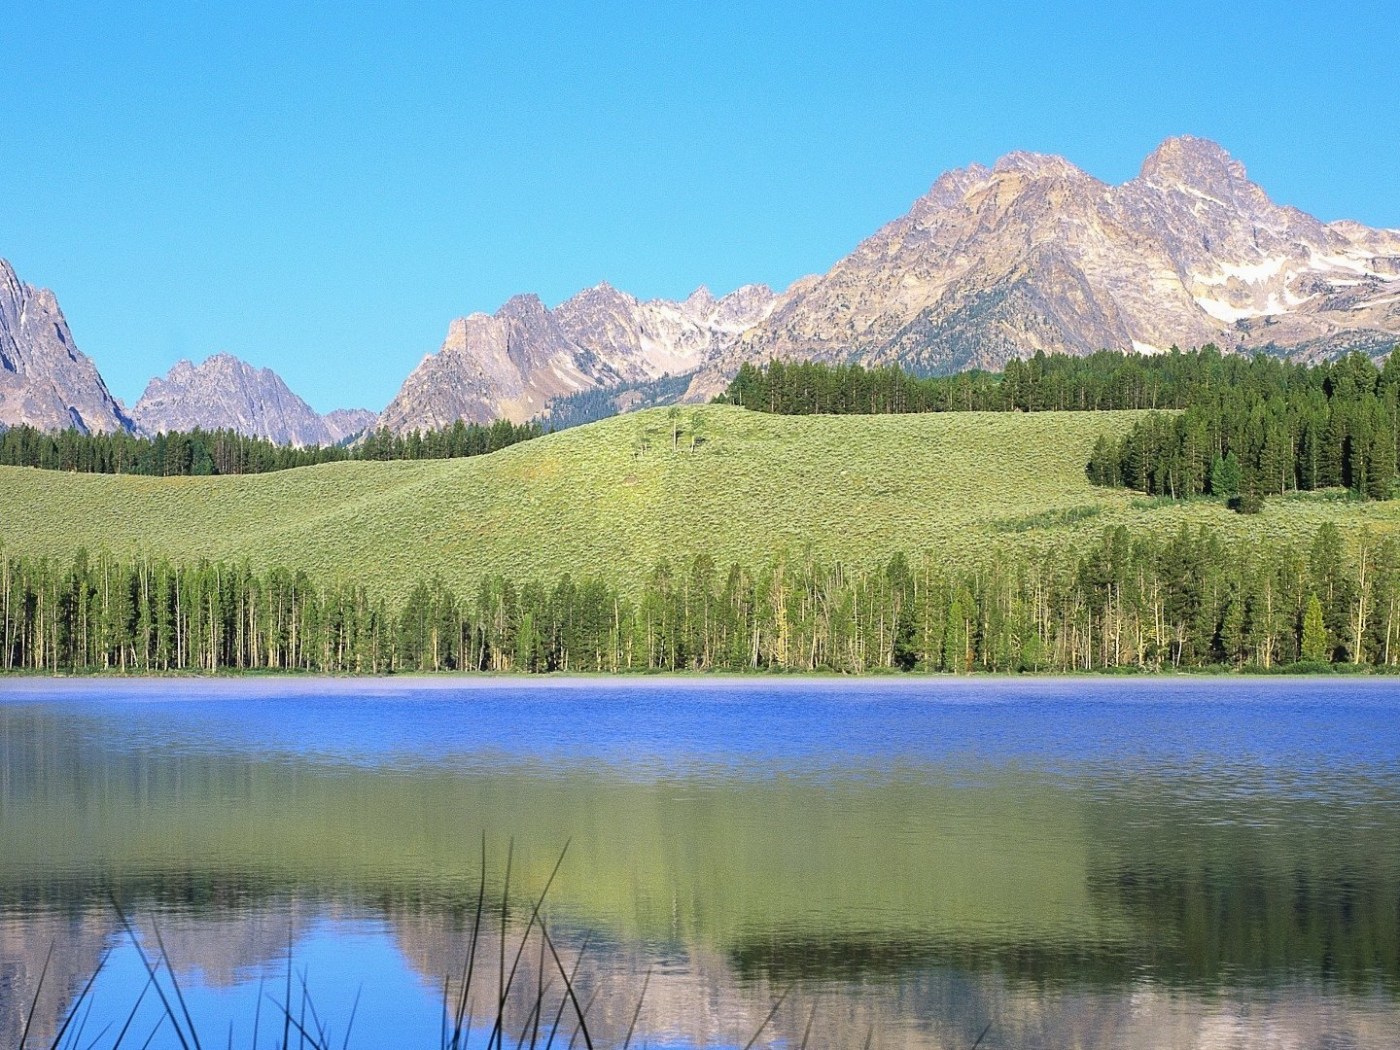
(894, 862)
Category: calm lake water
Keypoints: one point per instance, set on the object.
(1093, 863)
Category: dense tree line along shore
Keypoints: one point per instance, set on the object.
(1187, 602)
(205, 452)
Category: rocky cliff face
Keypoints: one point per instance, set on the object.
(225, 393)
(511, 364)
(45, 381)
(1034, 254)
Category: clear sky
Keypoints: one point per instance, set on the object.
(322, 187)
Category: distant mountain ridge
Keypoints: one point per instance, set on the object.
(226, 393)
(514, 362)
(992, 263)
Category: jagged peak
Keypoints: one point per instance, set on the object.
(951, 187)
(1186, 160)
(214, 368)
(524, 305)
(1037, 164)
(518, 307)
(702, 294)
(223, 361)
(747, 291)
(604, 291)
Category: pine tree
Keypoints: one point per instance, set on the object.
(1225, 476)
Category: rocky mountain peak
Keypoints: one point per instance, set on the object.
(345, 423)
(225, 392)
(45, 380)
(699, 303)
(1188, 162)
(526, 307)
(950, 189)
(513, 363)
(1037, 165)
(602, 296)
(1034, 254)
(745, 307)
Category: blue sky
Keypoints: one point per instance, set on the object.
(321, 188)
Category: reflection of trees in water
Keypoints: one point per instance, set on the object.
(1074, 880)
(1257, 888)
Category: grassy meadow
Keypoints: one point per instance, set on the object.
(614, 497)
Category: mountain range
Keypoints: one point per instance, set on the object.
(992, 263)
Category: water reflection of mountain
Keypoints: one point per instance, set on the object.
(697, 998)
(76, 939)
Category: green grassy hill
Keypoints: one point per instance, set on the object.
(616, 496)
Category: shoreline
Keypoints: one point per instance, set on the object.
(285, 684)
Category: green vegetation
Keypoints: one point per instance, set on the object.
(1045, 383)
(1264, 427)
(1248, 427)
(613, 499)
(712, 537)
(206, 452)
(589, 406)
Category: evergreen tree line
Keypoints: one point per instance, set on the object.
(205, 452)
(1186, 601)
(1268, 428)
(1043, 383)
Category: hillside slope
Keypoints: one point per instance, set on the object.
(614, 497)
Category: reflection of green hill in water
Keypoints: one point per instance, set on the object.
(687, 860)
(786, 876)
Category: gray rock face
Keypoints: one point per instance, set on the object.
(1034, 254)
(45, 381)
(513, 363)
(346, 423)
(225, 393)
